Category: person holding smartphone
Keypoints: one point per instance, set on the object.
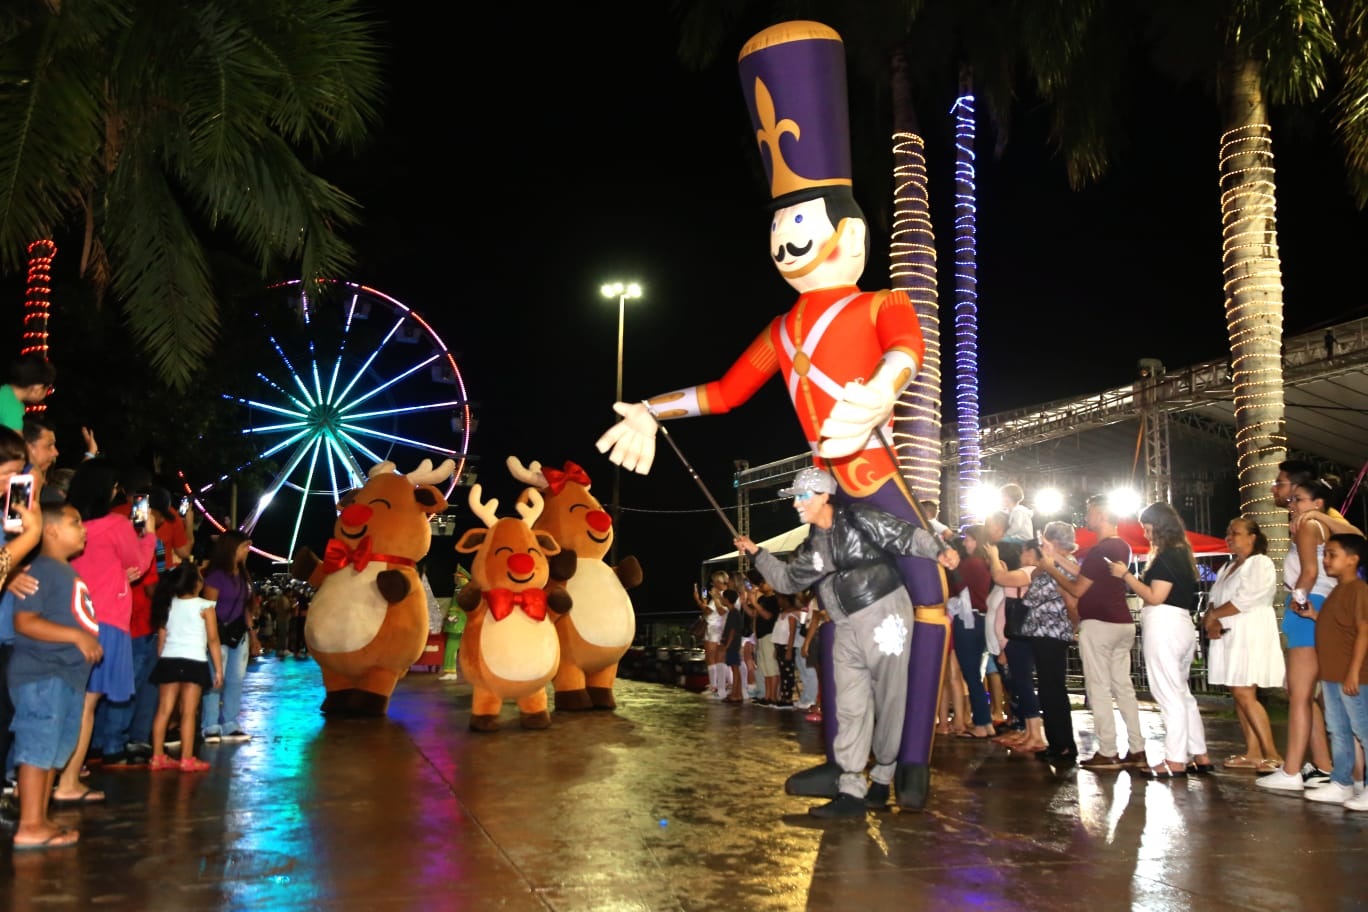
(13, 460)
(115, 555)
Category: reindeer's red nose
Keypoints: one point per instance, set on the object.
(599, 520)
(521, 564)
(356, 515)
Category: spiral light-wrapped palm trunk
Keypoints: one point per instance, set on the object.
(912, 268)
(1252, 273)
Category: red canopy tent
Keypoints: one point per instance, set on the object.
(1129, 529)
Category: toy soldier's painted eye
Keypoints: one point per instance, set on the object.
(798, 219)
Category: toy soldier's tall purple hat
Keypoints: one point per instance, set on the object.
(793, 76)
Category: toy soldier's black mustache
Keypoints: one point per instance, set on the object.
(793, 251)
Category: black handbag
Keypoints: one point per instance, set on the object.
(231, 633)
(1015, 613)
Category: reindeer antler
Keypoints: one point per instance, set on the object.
(483, 510)
(382, 468)
(531, 475)
(426, 474)
(530, 505)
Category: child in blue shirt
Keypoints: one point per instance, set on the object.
(55, 644)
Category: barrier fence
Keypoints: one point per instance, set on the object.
(666, 639)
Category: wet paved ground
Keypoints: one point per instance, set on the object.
(672, 803)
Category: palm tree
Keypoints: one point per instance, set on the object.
(154, 132)
(1253, 53)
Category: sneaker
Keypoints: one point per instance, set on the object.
(1357, 803)
(124, 761)
(1100, 762)
(1313, 776)
(1330, 793)
(172, 744)
(876, 798)
(211, 737)
(1281, 781)
(139, 747)
(1135, 760)
(193, 765)
(842, 805)
(237, 735)
(814, 716)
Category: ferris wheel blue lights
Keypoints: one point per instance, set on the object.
(368, 381)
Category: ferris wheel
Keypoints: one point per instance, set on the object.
(353, 379)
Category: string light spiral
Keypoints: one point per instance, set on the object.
(912, 268)
(1252, 278)
(966, 304)
(37, 304)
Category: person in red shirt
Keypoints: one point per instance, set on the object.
(123, 729)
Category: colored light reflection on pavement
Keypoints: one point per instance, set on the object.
(414, 811)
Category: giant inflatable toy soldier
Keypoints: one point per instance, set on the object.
(844, 354)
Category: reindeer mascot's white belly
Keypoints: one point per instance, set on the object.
(367, 622)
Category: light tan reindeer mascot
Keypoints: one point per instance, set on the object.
(509, 649)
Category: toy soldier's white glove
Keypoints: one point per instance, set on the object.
(632, 439)
(865, 406)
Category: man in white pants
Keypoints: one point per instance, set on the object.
(849, 556)
(1106, 635)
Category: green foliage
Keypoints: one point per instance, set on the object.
(155, 129)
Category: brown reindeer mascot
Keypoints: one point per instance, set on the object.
(368, 620)
(595, 637)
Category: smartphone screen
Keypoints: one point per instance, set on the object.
(20, 492)
(139, 511)
(184, 507)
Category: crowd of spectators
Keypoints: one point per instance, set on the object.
(112, 645)
(1021, 599)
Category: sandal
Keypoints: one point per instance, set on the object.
(1164, 771)
(160, 762)
(1241, 762)
(1269, 766)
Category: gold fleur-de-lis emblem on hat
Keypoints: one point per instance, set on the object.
(782, 178)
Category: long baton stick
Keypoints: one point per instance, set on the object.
(897, 466)
(704, 488)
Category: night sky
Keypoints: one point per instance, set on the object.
(532, 158)
(528, 155)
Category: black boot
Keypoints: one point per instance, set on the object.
(912, 782)
(842, 805)
(817, 782)
(876, 799)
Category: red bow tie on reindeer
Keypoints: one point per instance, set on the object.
(503, 601)
(338, 555)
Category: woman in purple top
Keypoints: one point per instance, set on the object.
(227, 584)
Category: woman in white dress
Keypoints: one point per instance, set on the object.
(1246, 653)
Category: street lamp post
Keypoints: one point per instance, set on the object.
(621, 291)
